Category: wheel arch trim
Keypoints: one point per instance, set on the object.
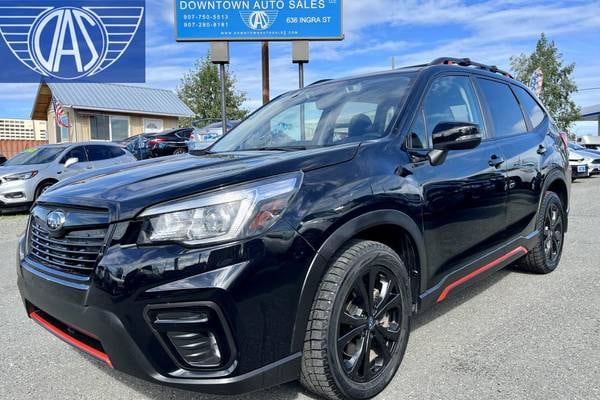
(347, 231)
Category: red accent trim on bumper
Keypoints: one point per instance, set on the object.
(478, 271)
(70, 339)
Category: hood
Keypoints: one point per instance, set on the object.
(127, 189)
(584, 154)
(16, 169)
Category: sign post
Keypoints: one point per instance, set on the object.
(300, 57)
(219, 54)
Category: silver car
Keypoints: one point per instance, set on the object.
(27, 175)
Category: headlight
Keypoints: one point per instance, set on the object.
(228, 214)
(20, 176)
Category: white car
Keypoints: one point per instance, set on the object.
(27, 175)
(201, 138)
(590, 157)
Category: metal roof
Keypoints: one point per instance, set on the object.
(119, 98)
(591, 113)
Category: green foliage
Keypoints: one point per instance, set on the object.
(200, 90)
(558, 85)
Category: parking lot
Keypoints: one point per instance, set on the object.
(514, 336)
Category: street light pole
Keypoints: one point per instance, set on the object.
(219, 54)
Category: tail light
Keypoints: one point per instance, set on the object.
(565, 138)
(153, 142)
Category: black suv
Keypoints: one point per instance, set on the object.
(300, 244)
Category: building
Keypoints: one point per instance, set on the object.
(591, 113)
(101, 111)
(22, 129)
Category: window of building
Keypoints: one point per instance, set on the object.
(109, 127)
(504, 109)
(153, 125)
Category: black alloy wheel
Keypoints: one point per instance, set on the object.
(359, 323)
(551, 221)
(369, 327)
(553, 233)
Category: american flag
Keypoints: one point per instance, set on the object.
(60, 117)
(537, 81)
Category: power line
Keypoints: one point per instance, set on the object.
(592, 88)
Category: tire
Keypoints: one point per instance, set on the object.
(41, 189)
(179, 151)
(551, 220)
(333, 365)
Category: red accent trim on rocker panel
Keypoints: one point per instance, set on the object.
(479, 270)
(70, 339)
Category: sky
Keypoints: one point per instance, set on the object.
(413, 32)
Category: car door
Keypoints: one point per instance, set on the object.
(522, 145)
(82, 165)
(464, 197)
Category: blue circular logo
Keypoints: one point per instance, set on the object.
(68, 42)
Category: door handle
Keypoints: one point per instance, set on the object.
(495, 161)
(541, 149)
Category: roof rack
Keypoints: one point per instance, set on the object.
(466, 62)
(320, 81)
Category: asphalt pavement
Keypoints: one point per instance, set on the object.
(513, 336)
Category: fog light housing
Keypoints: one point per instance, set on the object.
(195, 335)
(14, 195)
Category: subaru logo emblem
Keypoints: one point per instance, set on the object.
(55, 220)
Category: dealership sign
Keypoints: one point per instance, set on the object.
(238, 20)
(90, 40)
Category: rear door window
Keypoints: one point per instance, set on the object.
(533, 109)
(505, 111)
(99, 152)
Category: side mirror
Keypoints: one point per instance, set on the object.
(456, 136)
(453, 136)
(71, 161)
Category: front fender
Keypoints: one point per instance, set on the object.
(322, 259)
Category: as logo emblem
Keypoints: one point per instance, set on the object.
(259, 20)
(69, 42)
(55, 220)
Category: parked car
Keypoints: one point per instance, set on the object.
(2, 159)
(30, 173)
(161, 144)
(590, 157)
(202, 138)
(579, 168)
(302, 244)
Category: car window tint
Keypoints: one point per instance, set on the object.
(116, 152)
(98, 152)
(451, 99)
(536, 113)
(76, 152)
(507, 117)
(417, 136)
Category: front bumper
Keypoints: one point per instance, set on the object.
(257, 299)
(17, 193)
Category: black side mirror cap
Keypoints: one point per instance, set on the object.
(456, 136)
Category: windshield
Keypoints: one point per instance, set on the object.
(333, 113)
(576, 146)
(38, 155)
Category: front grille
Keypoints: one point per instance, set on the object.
(77, 252)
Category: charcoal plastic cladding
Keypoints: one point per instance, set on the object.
(77, 252)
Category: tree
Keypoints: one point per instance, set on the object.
(200, 90)
(558, 85)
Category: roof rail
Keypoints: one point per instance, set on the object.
(466, 62)
(320, 81)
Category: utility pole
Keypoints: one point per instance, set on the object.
(265, 72)
(393, 62)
